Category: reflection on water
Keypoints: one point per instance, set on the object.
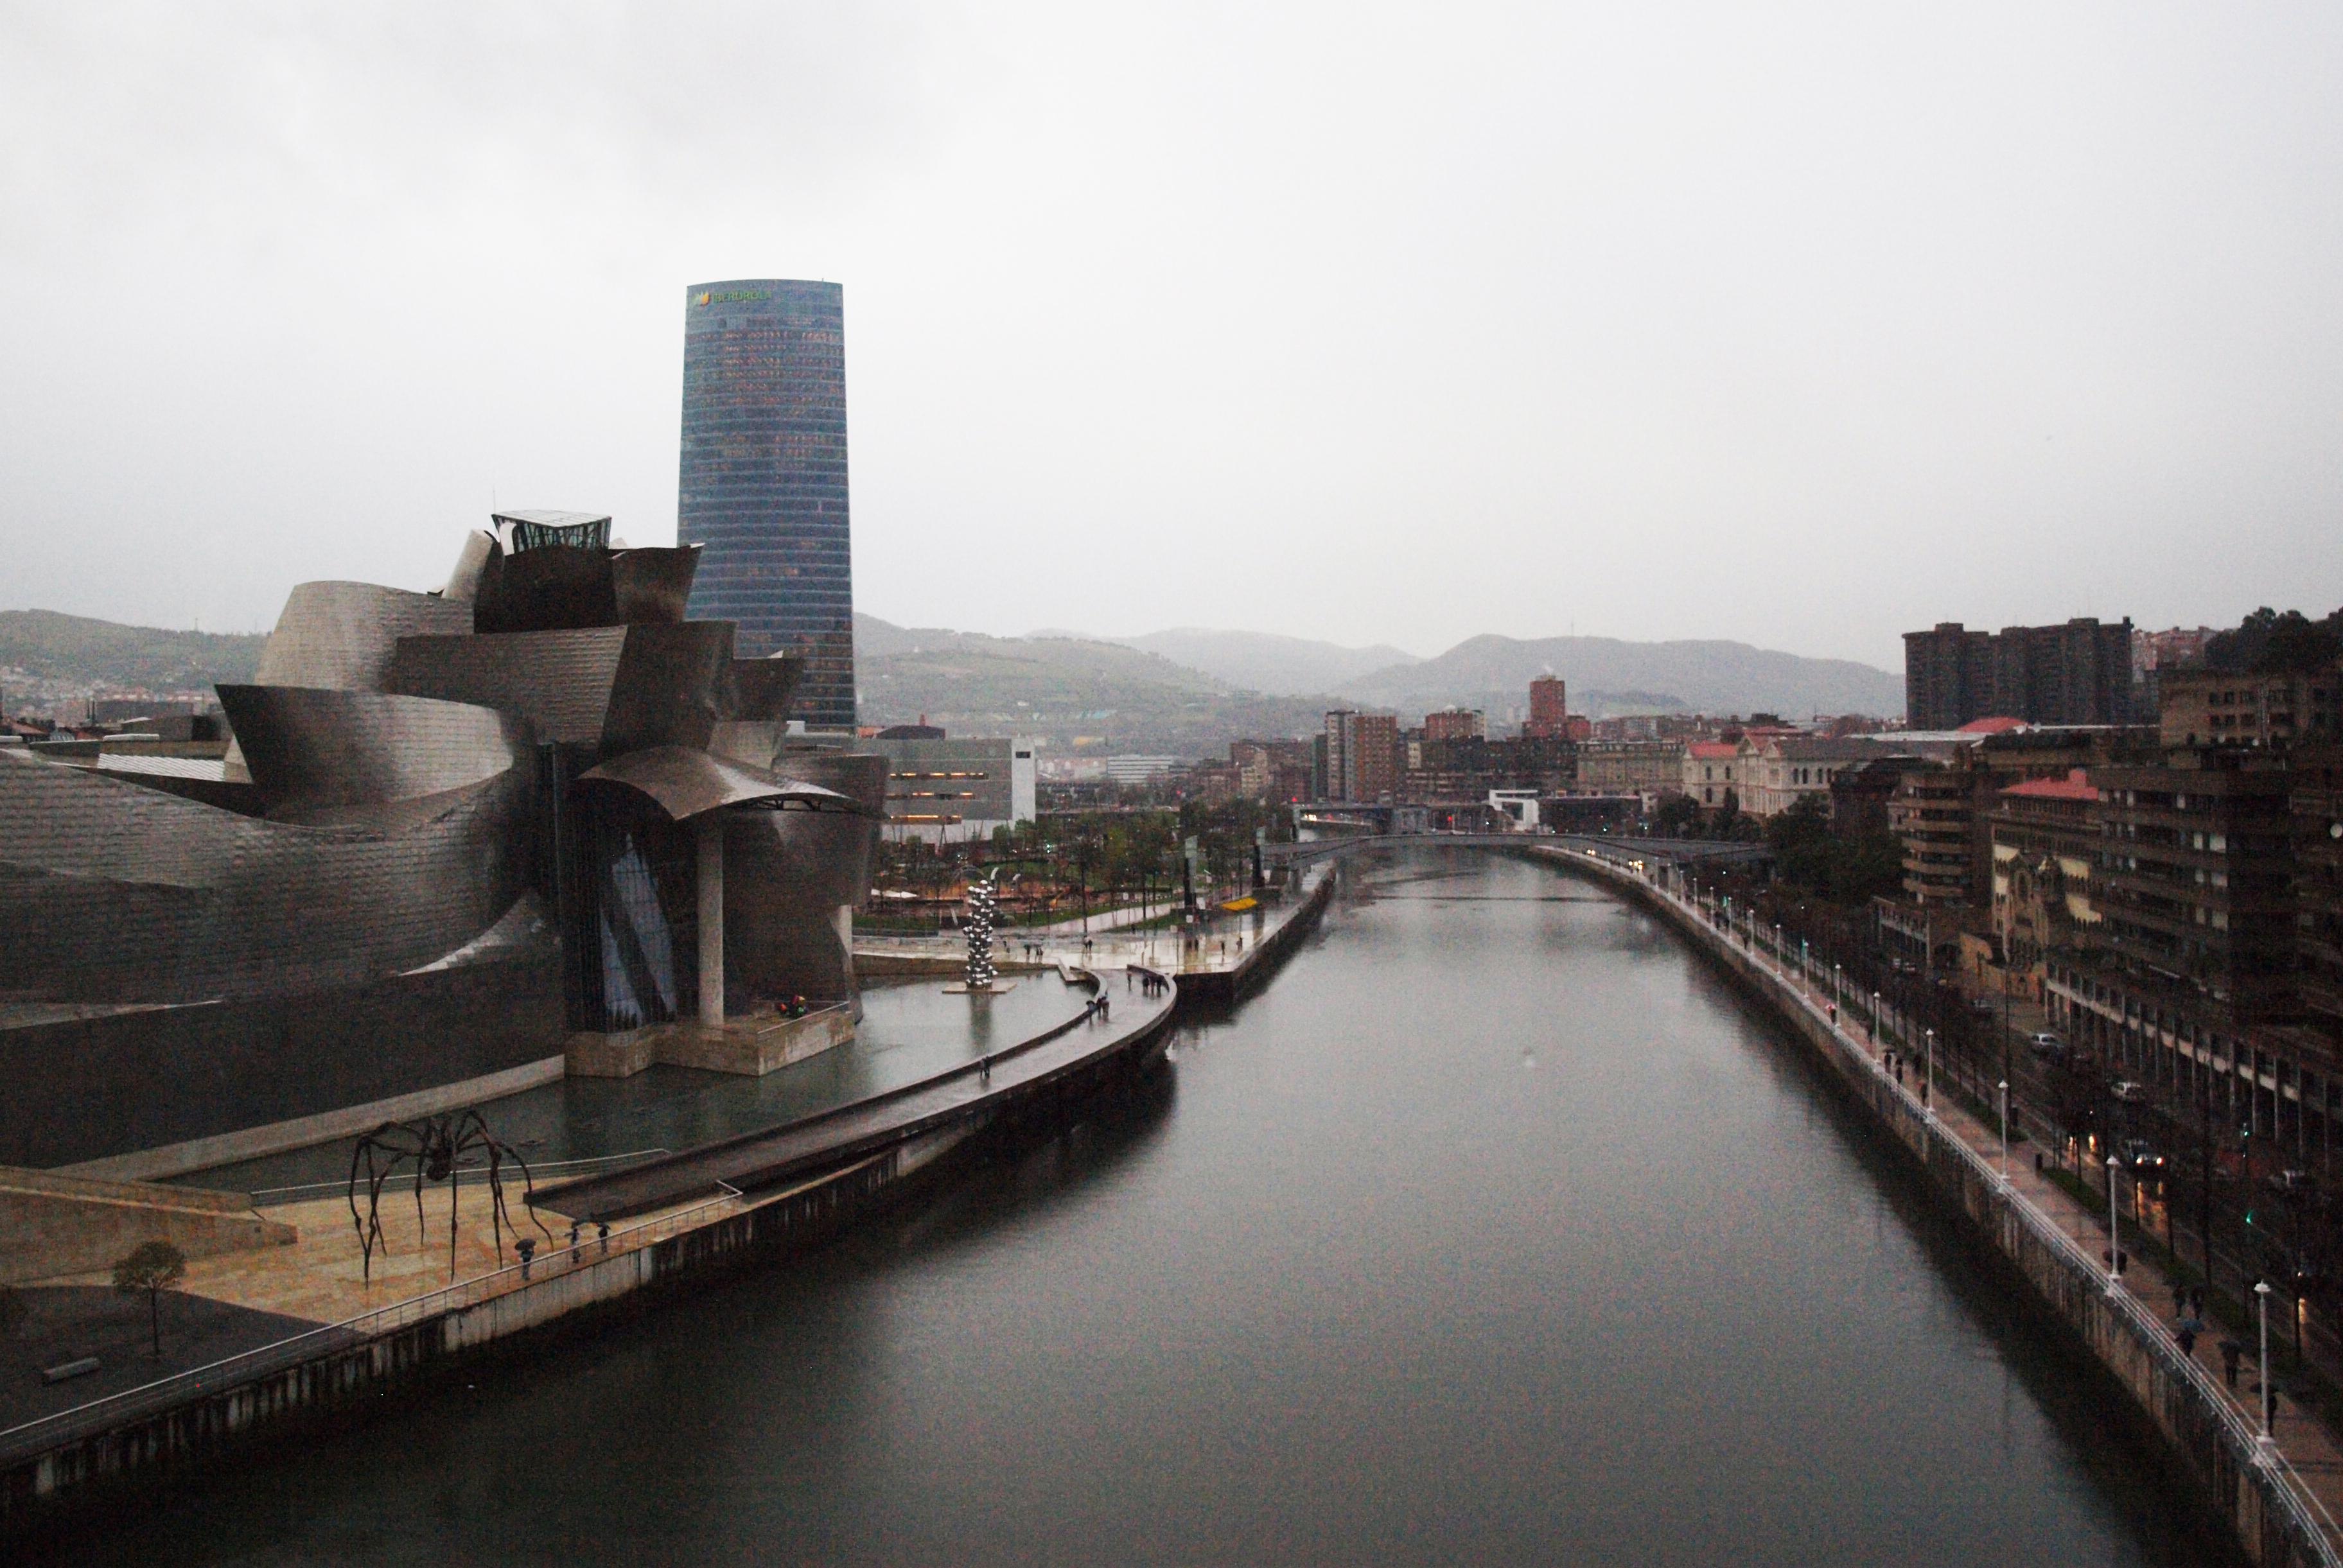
(1493, 1230)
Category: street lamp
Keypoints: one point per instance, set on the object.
(2115, 1247)
(2005, 1132)
(2267, 1445)
(1932, 1074)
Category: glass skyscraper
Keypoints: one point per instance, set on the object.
(764, 478)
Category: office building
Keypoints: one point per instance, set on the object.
(2077, 673)
(2217, 708)
(1454, 724)
(1549, 709)
(942, 790)
(764, 480)
(1363, 755)
(2045, 834)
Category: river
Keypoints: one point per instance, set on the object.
(1493, 1231)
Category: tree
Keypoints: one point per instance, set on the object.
(2267, 642)
(1845, 871)
(1677, 817)
(11, 1309)
(153, 1267)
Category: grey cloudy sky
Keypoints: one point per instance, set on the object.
(1802, 324)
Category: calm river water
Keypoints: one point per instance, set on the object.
(1493, 1231)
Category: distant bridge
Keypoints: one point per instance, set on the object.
(1682, 851)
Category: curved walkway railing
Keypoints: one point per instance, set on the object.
(2310, 1516)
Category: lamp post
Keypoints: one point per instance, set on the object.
(2267, 1445)
(2005, 1132)
(1875, 1018)
(2115, 1246)
(1932, 1074)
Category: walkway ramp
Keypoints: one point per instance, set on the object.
(53, 1225)
(763, 1160)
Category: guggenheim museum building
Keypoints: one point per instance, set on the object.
(456, 833)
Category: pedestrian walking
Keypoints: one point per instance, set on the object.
(2186, 1338)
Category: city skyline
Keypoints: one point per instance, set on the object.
(1519, 304)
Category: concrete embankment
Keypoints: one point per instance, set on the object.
(52, 1468)
(2271, 1511)
(1221, 984)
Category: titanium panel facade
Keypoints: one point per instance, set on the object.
(764, 478)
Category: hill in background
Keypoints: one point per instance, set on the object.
(1262, 661)
(1058, 690)
(1606, 675)
(53, 652)
(1114, 692)
(1495, 673)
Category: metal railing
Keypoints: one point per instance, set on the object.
(2306, 1513)
(279, 1196)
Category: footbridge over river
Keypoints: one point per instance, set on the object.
(1687, 852)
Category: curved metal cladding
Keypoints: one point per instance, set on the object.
(762, 689)
(788, 873)
(763, 480)
(128, 896)
(617, 689)
(685, 783)
(342, 634)
(653, 582)
(313, 753)
(561, 588)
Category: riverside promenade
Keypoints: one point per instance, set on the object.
(2282, 1494)
(1228, 955)
(328, 1333)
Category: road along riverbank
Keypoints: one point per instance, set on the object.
(2271, 1498)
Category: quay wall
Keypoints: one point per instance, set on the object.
(1219, 987)
(350, 1372)
(2210, 1442)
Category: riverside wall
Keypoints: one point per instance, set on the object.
(350, 1372)
(2271, 1520)
(1219, 987)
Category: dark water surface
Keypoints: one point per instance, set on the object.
(1492, 1232)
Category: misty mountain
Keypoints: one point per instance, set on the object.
(1709, 676)
(1264, 661)
(81, 651)
(1057, 690)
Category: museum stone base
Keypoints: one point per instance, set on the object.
(754, 1045)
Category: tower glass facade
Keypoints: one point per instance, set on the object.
(764, 478)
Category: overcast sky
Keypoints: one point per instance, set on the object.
(1802, 324)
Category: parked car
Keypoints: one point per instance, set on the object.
(1981, 1005)
(2043, 1042)
(2127, 1091)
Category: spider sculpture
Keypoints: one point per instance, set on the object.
(437, 1147)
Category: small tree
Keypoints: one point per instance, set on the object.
(153, 1267)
